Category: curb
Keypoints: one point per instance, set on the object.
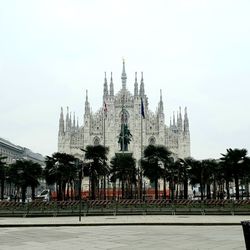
(122, 224)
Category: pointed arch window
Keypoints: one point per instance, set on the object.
(152, 140)
(96, 141)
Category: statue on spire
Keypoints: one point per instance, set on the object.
(105, 86)
(142, 92)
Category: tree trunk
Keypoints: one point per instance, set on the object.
(122, 189)
(71, 190)
(93, 186)
(227, 188)
(214, 189)
(33, 193)
(104, 187)
(156, 189)
(131, 191)
(201, 185)
(236, 180)
(177, 190)
(23, 190)
(208, 192)
(98, 188)
(80, 185)
(114, 190)
(118, 191)
(164, 188)
(185, 184)
(247, 188)
(67, 186)
(2, 188)
(59, 190)
(63, 190)
(202, 194)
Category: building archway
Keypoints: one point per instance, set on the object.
(152, 140)
(96, 141)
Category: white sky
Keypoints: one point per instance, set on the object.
(196, 51)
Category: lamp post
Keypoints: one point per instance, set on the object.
(80, 191)
(80, 185)
(144, 190)
(58, 182)
(186, 169)
(20, 173)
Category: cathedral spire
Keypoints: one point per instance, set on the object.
(124, 75)
(142, 92)
(105, 86)
(61, 123)
(136, 85)
(179, 120)
(74, 122)
(77, 126)
(70, 121)
(173, 119)
(67, 120)
(111, 86)
(186, 122)
(161, 103)
(87, 108)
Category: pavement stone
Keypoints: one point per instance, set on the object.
(123, 232)
(123, 238)
(125, 220)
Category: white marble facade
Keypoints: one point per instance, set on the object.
(104, 126)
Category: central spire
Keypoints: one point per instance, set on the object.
(124, 75)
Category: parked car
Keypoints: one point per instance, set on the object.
(44, 195)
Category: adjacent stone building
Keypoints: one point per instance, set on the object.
(104, 126)
(14, 152)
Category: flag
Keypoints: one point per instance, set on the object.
(105, 109)
(142, 109)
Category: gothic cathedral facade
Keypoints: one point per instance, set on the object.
(104, 126)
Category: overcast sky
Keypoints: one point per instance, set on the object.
(196, 51)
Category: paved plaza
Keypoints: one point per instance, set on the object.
(123, 237)
(122, 232)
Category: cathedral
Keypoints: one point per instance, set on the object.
(124, 124)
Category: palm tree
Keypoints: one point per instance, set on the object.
(25, 173)
(202, 173)
(97, 155)
(171, 172)
(61, 169)
(234, 160)
(224, 175)
(246, 174)
(196, 174)
(34, 174)
(3, 170)
(123, 168)
(209, 168)
(183, 169)
(155, 156)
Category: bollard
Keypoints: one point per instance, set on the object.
(246, 231)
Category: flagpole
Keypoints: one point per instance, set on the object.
(140, 171)
(104, 142)
(123, 123)
(104, 119)
(104, 131)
